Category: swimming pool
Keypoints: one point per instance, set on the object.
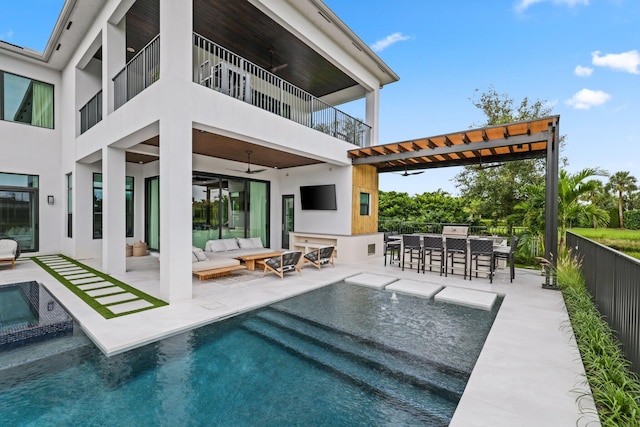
(339, 355)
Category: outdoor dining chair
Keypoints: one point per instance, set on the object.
(482, 257)
(433, 248)
(455, 255)
(509, 257)
(411, 245)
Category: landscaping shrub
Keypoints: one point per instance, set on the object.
(614, 387)
(632, 219)
(614, 218)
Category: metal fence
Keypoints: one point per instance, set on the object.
(612, 278)
(91, 113)
(222, 70)
(141, 72)
(409, 227)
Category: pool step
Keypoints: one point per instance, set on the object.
(437, 409)
(410, 368)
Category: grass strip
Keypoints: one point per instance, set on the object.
(91, 301)
(614, 387)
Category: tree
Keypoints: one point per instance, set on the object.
(621, 183)
(572, 190)
(497, 190)
(599, 197)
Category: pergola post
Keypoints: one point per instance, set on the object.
(551, 206)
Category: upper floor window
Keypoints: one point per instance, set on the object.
(25, 100)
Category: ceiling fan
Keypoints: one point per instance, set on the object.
(407, 173)
(277, 67)
(482, 166)
(248, 171)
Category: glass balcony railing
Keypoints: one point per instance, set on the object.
(222, 70)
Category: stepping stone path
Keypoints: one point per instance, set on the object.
(97, 288)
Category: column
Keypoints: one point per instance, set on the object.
(113, 211)
(175, 150)
(373, 114)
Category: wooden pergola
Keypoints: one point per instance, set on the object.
(537, 138)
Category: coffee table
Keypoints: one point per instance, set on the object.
(250, 260)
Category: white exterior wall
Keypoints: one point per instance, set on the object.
(33, 150)
(311, 221)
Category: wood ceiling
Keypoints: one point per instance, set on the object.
(240, 27)
(213, 145)
(513, 141)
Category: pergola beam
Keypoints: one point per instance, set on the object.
(456, 148)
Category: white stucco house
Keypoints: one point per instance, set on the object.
(178, 122)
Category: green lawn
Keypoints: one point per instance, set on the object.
(627, 241)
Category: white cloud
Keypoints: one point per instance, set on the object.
(523, 5)
(587, 98)
(626, 61)
(380, 45)
(583, 71)
(6, 35)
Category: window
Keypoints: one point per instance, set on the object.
(26, 101)
(69, 206)
(365, 204)
(97, 206)
(128, 194)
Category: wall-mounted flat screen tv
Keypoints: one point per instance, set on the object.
(318, 197)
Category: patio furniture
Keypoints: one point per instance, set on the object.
(481, 252)
(9, 251)
(411, 245)
(287, 261)
(209, 266)
(391, 247)
(432, 247)
(455, 254)
(320, 256)
(251, 260)
(507, 253)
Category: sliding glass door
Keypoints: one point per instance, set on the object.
(19, 209)
(225, 207)
(152, 213)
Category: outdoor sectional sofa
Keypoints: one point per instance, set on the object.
(219, 257)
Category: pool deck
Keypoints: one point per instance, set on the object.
(529, 372)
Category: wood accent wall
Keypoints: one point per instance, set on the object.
(364, 180)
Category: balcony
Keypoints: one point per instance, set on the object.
(140, 72)
(91, 113)
(222, 70)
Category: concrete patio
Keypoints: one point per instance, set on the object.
(529, 372)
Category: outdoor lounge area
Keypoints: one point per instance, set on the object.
(528, 351)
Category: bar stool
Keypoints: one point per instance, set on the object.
(411, 243)
(391, 247)
(480, 250)
(456, 251)
(432, 246)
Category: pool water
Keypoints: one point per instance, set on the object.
(340, 355)
(15, 308)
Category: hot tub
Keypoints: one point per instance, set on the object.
(29, 313)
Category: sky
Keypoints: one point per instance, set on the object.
(581, 57)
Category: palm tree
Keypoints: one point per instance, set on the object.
(599, 197)
(572, 189)
(621, 183)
